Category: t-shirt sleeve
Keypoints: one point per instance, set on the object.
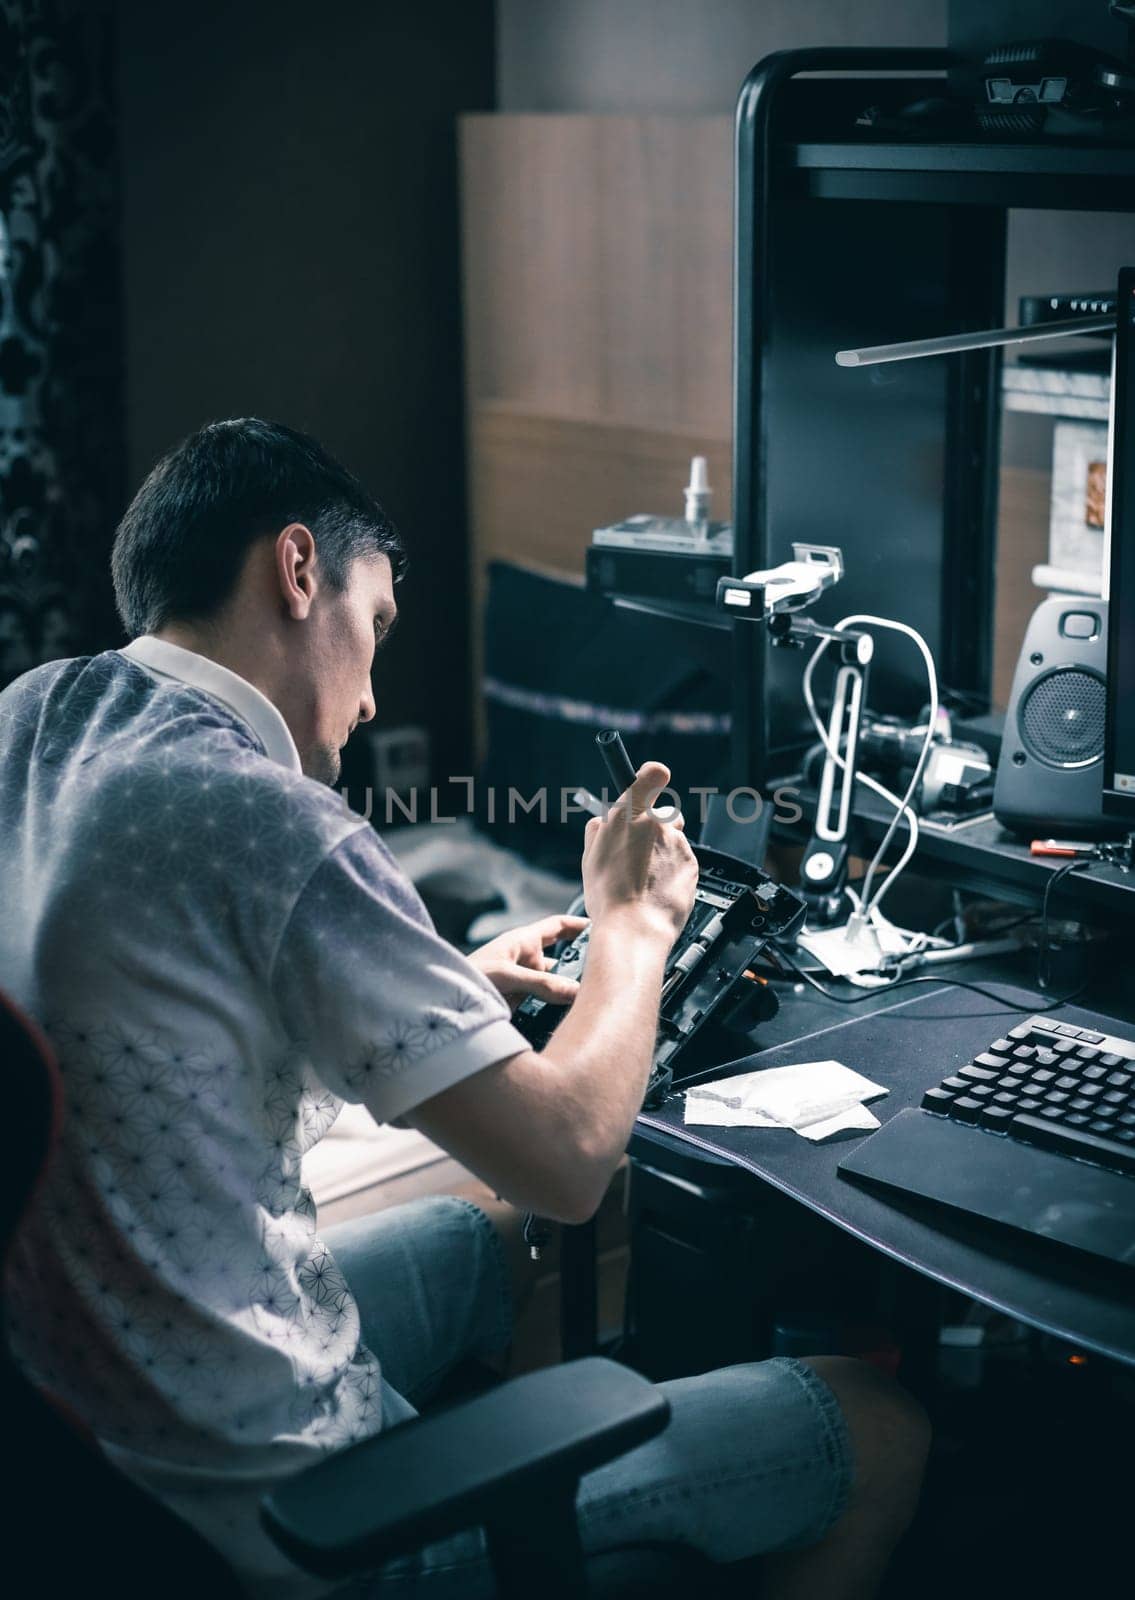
(389, 1013)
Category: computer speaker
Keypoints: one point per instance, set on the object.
(1050, 774)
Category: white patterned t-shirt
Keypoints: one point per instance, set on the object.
(221, 954)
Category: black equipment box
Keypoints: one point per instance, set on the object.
(738, 910)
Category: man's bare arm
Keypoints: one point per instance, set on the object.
(547, 1129)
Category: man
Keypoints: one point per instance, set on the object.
(222, 954)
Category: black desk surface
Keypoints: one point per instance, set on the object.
(911, 1042)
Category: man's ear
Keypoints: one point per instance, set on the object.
(295, 569)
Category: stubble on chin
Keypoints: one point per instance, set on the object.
(324, 764)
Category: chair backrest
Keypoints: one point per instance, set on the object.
(70, 1513)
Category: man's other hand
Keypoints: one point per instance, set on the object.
(516, 965)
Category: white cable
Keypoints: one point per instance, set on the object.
(903, 806)
(920, 765)
(862, 777)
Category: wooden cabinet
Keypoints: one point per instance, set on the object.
(597, 268)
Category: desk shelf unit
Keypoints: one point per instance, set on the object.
(845, 238)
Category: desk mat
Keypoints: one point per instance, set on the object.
(908, 1047)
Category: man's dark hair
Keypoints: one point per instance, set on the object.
(182, 544)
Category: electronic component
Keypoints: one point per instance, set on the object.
(665, 558)
(1033, 309)
(692, 534)
(690, 576)
(1054, 86)
(738, 910)
(957, 777)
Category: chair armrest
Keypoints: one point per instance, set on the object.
(435, 1476)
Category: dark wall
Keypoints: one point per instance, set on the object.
(290, 245)
(60, 333)
(678, 55)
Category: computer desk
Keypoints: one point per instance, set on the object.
(908, 1041)
(977, 854)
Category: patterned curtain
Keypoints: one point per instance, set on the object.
(61, 450)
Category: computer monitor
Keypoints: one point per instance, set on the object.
(1119, 735)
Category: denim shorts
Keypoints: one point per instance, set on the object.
(755, 1457)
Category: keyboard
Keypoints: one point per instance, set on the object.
(1036, 1133)
(1066, 1089)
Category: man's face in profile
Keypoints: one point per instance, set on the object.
(347, 630)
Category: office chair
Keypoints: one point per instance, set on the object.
(66, 1508)
(508, 1460)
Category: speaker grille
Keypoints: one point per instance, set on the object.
(1061, 719)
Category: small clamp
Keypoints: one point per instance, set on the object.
(792, 586)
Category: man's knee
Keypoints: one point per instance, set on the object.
(890, 1436)
(509, 1225)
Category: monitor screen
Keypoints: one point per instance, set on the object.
(1119, 744)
